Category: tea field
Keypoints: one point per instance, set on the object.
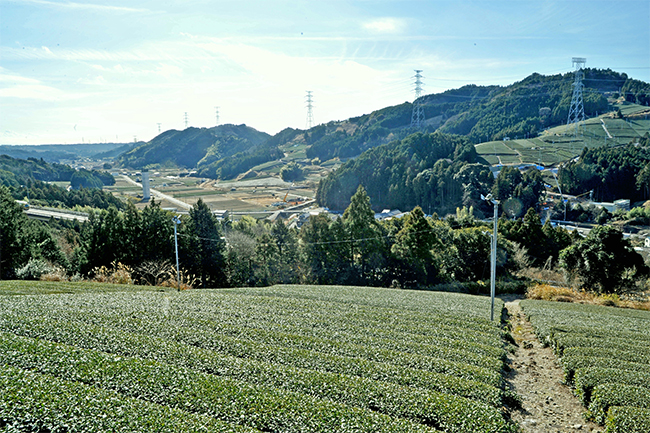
(605, 354)
(85, 357)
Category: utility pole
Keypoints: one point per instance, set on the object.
(177, 221)
(417, 117)
(310, 114)
(493, 254)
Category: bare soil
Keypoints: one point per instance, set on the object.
(548, 406)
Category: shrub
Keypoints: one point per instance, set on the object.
(34, 269)
(118, 273)
(628, 420)
(613, 394)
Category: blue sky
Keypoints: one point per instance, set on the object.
(77, 71)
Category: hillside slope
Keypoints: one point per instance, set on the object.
(193, 146)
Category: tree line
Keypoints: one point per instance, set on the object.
(415, 251)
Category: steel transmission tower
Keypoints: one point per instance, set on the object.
(185, 117)
(217, 109)
(576, 117)
(310, 114)
(417, 117)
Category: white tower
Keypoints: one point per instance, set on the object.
(146, 193)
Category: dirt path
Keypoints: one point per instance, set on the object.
(547, 405)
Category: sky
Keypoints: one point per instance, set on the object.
(118, 71)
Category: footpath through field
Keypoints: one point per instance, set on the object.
(547, 404)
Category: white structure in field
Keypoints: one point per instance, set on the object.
(146, 193)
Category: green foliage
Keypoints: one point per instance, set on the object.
(22, 239)
(29, 177)
(492, 113)
(204, 247)
(414, 245)
(55, 196)
(612, 173)
(540, 241)
(85, 179)
(628, 420)
(607, 395)
(24, 170)
(371, 130)
(191, 146)
(413, 172)
(586, 379)
(228, 168)
(516, 191)
(34, 269)
(43, 402)
(603, 262)
(367, 243)
(636, 92)
(253, 357)
(291, 172)
(604, 351)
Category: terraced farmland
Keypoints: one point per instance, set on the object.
(605, 354)
(279, 359)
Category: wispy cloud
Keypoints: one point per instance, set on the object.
(33, 91)
(385, 25)
(87, 6)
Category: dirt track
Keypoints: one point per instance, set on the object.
(547, 404)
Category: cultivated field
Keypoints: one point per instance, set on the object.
(80, 357)
(605, 354)
(559, 144)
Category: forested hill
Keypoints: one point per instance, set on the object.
(523, 108)
(481, 113)
(478, 113)
(194, 147)
(434, 171)
(15, 172)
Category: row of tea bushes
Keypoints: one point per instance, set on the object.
(367, 360)
(33, 402)
(605, 354)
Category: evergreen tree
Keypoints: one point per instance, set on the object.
(319, 249)
(603, 261)
(414, 244)
(11, 219)
(367, 244)
(207, 246)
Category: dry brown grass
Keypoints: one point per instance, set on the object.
(547, 292)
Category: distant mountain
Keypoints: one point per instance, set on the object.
(61, 152)
(194, 147)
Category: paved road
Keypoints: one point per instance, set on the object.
(47, 213)
(160, 195)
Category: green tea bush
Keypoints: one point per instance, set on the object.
(628, 420)
(613, 394)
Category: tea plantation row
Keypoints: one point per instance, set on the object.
(282, 359)
(605, 354)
